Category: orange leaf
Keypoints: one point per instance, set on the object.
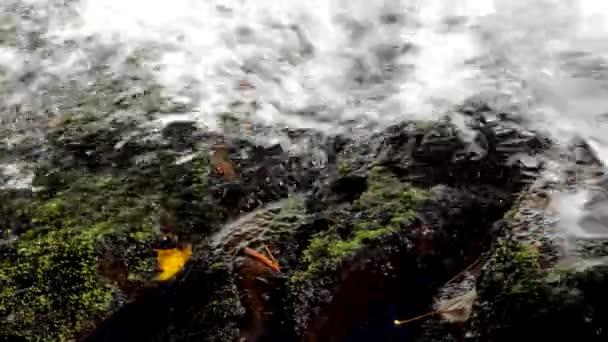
(262, 258)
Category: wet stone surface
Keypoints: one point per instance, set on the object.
(306, 239)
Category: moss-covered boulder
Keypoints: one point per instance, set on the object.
(222, 294)
(50, 281)
(80, 244)
(539, 281)
(396, 240)
(387, 206)
(364, 232)
(525, 293)
(373, 233)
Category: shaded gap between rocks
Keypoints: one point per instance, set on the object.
(382, 285)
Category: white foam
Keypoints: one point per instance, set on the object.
(571, 207)
(313, 66)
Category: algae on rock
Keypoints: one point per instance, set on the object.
(526, 294)
(387, 206)
(50, 277)
(50, 282)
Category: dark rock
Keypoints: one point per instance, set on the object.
(582, 153)
(349, 187)
(530, 308)
(181, 134)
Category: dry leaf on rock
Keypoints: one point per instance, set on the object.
(458, 309)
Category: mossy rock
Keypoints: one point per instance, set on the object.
(51, 286)
(204, 306)
(387, 206)
(374, 220)
(50, 289)
(522, 298)
(49, 275)
(204, 303)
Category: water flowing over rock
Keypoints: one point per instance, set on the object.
(352, 235)
(302, 171)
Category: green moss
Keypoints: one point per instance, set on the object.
(95, 201)
(344, 165)
(510, 215)
(387, 200)
(525, 281)
(187, 197)
(50, 286)
(50, 290)
(514, 280)
(385, 208)
(522, 296)
(328, 251)
(291, 211)
(558, 274)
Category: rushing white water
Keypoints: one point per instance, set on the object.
(325, 63)
(321, 63)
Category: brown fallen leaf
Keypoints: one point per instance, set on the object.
(397, 322)
(223, 166)
(454, 310)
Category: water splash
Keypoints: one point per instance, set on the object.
(322, 64)
(575, 205)
(313, 64)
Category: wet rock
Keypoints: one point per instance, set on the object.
(263, 174)
(582, 153)
(181, 134)
(415, 260)
(377, 228)
(528, 303)
(262, 292)
(342, 189)
(527, 291)
(349, 187)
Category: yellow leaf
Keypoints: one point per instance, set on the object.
(171, 261)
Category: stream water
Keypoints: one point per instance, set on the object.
(327, 65)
